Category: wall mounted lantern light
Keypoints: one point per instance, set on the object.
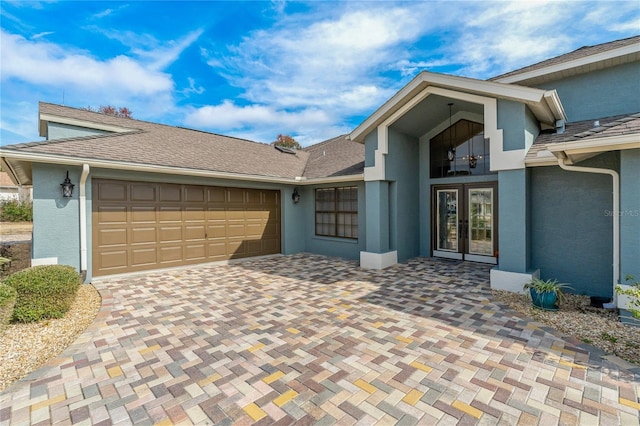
(67, 187)
(295, 196)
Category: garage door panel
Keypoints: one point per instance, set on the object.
(112, 215)
(271, 198)
(170, 254)
(195, 232)
(217, 195)
(112, 237)
(143, 214)
(170, 192)
(170, 234)
(144, 225)
(194, 194)
(216, 231)
(253, 196)
(195, 214)
(235, 196)
(143, 192)
(195, 251)
(112, 191)
(144, 256)
(170, 214)
(112, 259)
(143, 235)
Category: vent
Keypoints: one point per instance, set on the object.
(285, 149)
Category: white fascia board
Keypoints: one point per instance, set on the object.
(610, 54)
(552, 100)
(86, 124)
(462, 84)
(607, 143)
(331, 179)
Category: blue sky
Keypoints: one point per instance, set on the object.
(313, 70)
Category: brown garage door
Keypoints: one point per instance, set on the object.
(141, 225)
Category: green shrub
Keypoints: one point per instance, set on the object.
(634, 293)
(43, 291)
(16, 211)
(8, 296)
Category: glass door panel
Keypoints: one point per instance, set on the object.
(480, 221)
(447, 219)
(464, 222)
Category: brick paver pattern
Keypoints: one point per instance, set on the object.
(308, 339)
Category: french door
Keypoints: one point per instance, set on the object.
(465, 222)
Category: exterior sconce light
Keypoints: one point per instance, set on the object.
(295, 196)
(473, 161)
(67, 187)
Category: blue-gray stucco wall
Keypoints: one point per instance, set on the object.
(56, 229)
(514, 220)
(329, 246)
(370, 146)
(601, 93)
(630, 213)
(62, 131)
(513, 121)
(402, 170)
(572, 238)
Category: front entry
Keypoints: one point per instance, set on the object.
(464, 222)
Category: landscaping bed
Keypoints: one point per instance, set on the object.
(576, 317)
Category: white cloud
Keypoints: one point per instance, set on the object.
(47, 63)
(40, 35)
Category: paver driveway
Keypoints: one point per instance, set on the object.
(308, 339)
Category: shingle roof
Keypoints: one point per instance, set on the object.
(163, 145)
(576, 54)
(339, 156)
(585, 130)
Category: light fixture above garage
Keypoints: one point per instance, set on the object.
(67, 187)
(295, 196)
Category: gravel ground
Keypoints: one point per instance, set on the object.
(597, 327)
(26, 347)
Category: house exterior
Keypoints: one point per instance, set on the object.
(10, 191)
(535, 171)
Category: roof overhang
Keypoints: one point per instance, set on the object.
(576, 151)
(19, 167)
(545, 104)
(588, 63)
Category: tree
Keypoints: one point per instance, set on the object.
(286, 141)
(122, 112)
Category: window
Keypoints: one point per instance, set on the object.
(337, 212)
(470, 154)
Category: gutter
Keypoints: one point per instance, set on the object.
(562, 157)
(83, 221)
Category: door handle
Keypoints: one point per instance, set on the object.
(466, 228)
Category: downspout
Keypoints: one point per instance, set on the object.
(83, 221)
(616, 209)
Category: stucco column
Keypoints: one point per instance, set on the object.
(513, 232)
(377, 254)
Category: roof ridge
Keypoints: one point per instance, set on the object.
(327, 141)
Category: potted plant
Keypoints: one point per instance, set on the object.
(546, 294)
(629, 300)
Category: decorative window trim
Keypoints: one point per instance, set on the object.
(337, 211)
